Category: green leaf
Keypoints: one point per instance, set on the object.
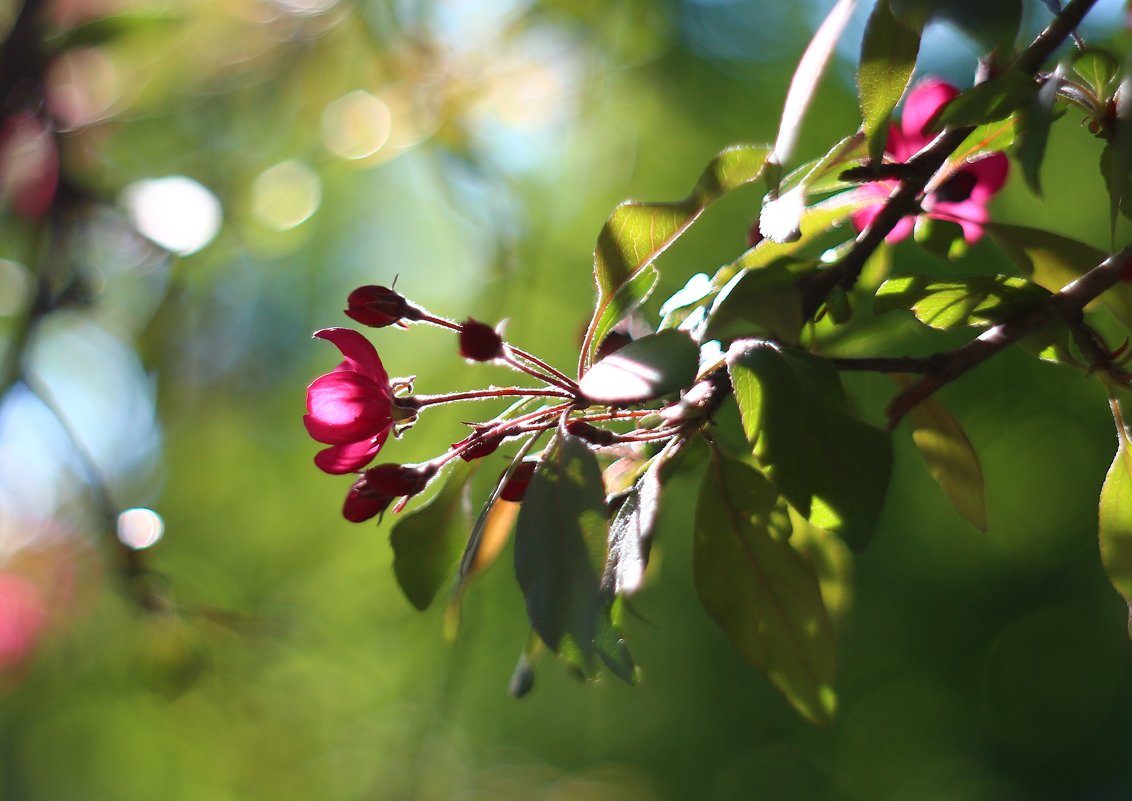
(1116, 158)
(1053, 261)
(1116, 516)
(764, 302)
(944, 238)
(560, 542)
(950, 457)
(978, 301)
(637, 233)
(888, 58)
(816, 221)
(832, 561)
(1034, 122)
(645, 369)
(1097, 68)
(993, 24)
(986, 138)
(833, 467)
(989, 101)
(427, 541)
(609, 642)
(804, 82)
(761, 591)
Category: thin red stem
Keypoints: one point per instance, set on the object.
(420, 401)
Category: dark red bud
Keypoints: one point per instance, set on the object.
(613, 342)
(480, 445)
(480, 342)
(516, 486)
(754, 234)
(396, 480)
(364, 502)
(379, 306)
(592, 434)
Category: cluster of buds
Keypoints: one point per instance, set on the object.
(354, 408)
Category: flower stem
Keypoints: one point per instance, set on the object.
(420, 401)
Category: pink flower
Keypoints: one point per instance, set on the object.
(962, 196)
(351, 408)
(23, 616)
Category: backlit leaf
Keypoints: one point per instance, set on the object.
(888, 57)
(978, 301)
(1116, 515)
(831, 466)
(761, 591)
(1053, 261)
(428, 540)
(1096, 68)
(645, 369)
(950, 457)
(637, 233)
(560, 544)
(764, 302)
(990, 101)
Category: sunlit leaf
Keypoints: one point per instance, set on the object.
(645, 369)
(997, 135)
(610, 645)
(1097, 68)
(832, 561)
(830, 465)
(764, 302)
(427, 541)
(950, 457)
(560, 544)
(1116, 515)
(806, 76)
(1053, 261)
(817, 220)
(978, 301)
(761, 591)
(944, 238)
(990, 101)
(637, 233)
(888, 57)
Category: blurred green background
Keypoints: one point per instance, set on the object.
(283, 152)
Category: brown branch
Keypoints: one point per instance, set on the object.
(1068, 304)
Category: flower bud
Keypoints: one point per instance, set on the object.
(379, 306)
(516, 486)
(399, 479)
(479, 342)
(364, 502)
(477, 445)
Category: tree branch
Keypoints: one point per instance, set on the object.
(1068, 304)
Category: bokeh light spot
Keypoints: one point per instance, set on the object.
(286, 195)
(176, 212)
(356, 125)
(140, 528)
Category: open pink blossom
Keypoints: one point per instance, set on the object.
(23, 617)
(351, 408)
(962, 196)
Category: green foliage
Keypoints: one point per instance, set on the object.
(888, 58)
(978, 301)
(1116, 515)
(833, 467)
(646, 369)
(762, 592)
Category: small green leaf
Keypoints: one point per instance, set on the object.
(888, 57)
(833, 467)
(944, 238)
(1097, 68)
(1053, 261)
(645, 369)
(978, 301)
(1116, 516)
(990, 101)
(986, 138)
(637, 233)
(950, 457)
(427, 541)
(764, 302)
(560, 542)
(761, 591)
(609, 642)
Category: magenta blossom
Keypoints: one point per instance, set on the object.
(962, 196)
(351, 408)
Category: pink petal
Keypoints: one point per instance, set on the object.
(923, 103)
(23, 617)
(348, 458)
(864, 218)
(971, 216)
(359, 352)
(900, 147)
(990, 174)
(902, 230)
(345, 406)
